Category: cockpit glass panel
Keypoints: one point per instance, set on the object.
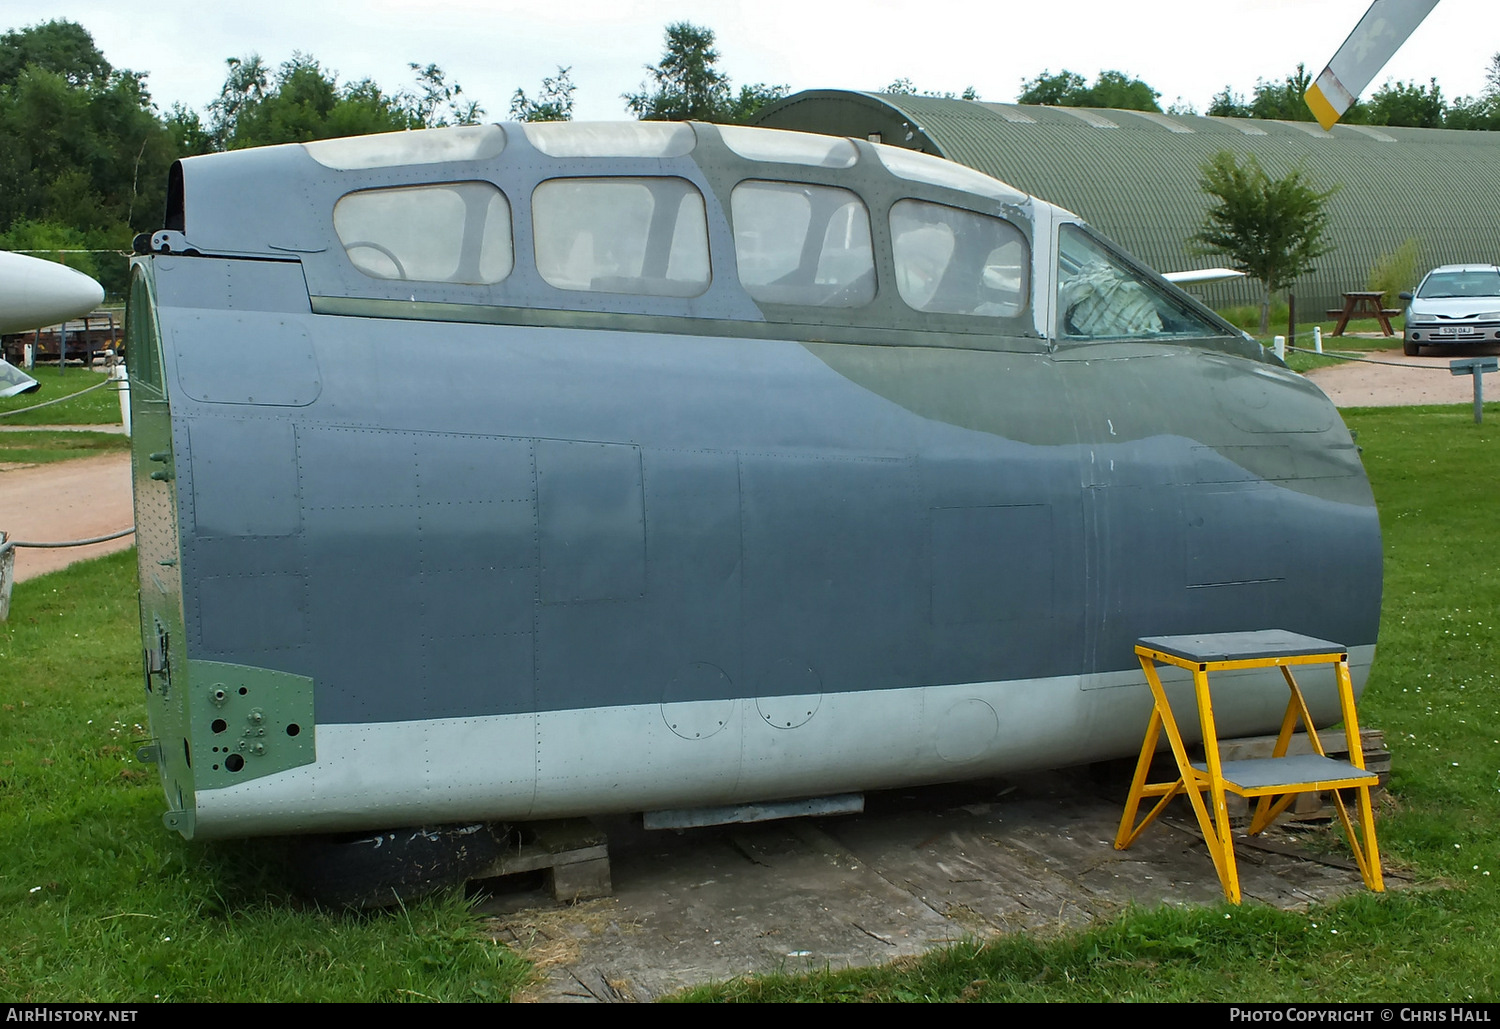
(920, 167)
(450, 232)
(1101, 296)
(423, 146)
(14, 382)
(611, 139)
(803, 244)
(786, 147)
(142, 339)
(951, 261)
(622, 235)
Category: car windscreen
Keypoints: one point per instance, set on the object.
(1477, 283)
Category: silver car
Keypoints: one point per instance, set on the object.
(1457, 303)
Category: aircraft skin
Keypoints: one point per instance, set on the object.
(36, 293)
(516, 545)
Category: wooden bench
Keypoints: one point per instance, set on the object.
(1364, 304)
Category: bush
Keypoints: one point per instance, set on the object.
(1396, 270)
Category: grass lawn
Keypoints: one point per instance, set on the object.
(41, 446)
(98, 902)
(99, 407)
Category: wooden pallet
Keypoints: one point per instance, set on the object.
(572, 854)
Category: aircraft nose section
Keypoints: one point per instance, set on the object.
(35, 293)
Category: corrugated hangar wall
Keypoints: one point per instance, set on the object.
(1135, 176)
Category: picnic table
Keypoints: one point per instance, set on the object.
(1363, 305)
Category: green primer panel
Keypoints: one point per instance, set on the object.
(248, 722)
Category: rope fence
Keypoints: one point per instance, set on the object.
(1347, 355)
(8, 544)
(59, 400)
(8, 559)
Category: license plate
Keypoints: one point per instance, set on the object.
(1456, 330)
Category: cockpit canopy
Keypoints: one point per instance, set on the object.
(680, 220)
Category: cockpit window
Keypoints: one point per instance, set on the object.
(801, 244)
(622, 235)
(951, 261)
(1101, 296)
(452, 232)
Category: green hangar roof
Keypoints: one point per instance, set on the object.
(1134, 175)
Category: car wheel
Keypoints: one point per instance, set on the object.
(1411, 349)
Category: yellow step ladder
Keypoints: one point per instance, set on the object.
(1275, 781)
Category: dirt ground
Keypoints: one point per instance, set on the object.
(1399, 380)
(65, 500)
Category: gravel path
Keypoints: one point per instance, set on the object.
(65, 500)
(1417, 380)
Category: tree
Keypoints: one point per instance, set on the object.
(1228, 104)
(306, 102)
(688, 86)
(85, 158)
(1116, 89)
(1110, 89)
(1483, 111)
(244, 86)
(748, 102)
(62, 47)
(1270, 229)
(1283, 100)
(437, 102)
(553, 103)
(905, 87)
(1061, 90)
(1410, 105)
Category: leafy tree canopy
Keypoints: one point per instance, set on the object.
(905, 87)
(85, 158)
(1283, 100)
(305, 101)
(1111, 89)
(553, 103)
(60, 47)
(1270, 229)
(1483, 111)
(1397, 103)
(688, 86)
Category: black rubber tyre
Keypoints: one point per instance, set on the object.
(1411, 349)
(394, 866)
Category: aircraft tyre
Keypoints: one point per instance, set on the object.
(394, 866)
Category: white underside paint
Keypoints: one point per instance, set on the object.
(616, 759)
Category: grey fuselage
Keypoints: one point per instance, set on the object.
(417, 550)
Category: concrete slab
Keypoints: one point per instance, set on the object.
(921, 868)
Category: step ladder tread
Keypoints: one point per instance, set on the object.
(1257, 773)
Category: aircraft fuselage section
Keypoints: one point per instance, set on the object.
(544, 568)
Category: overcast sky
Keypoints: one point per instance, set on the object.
(1188, 49)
